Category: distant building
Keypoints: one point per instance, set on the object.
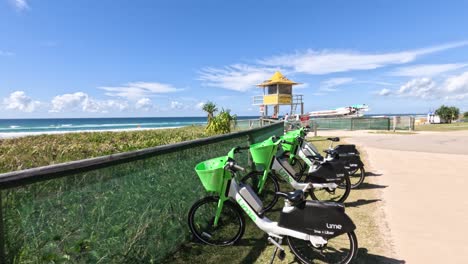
(432, 118)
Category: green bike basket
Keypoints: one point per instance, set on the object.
(211, 173)
(291, 137)
(262, 152)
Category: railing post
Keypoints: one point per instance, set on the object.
(394, 123)
(315, 128)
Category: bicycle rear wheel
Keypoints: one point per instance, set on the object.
(357, 176)
(339, 250)
(231, 224)
(338, 195)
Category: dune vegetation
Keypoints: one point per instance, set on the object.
(34, 151)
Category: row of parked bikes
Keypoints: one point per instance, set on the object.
(317, 230)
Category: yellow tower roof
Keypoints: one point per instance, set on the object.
(277, 78)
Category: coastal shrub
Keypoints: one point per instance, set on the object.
(448, 113)
(221, 124)
(34, 151)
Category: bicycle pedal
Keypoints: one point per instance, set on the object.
(282, 255)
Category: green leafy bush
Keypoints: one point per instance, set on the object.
(221, 124)
(448, 113)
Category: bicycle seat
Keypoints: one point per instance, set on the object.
(334, 139)
(330, 151)
(315, 157)
(294, 197)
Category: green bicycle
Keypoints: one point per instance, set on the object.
(316, 232)
(299, 152)
(321, 183)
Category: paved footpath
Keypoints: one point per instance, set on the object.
(426, 198)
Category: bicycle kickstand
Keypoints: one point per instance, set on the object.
(277, 245)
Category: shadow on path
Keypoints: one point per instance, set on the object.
(364, 257)
(371, 174)
(367, 186)
(360, 202)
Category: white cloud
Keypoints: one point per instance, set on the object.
(80, 101)
(200, 105)
(6, 53)
(384, 92)
(138, 90)
(456, 87)
(331, 84)
(237, 77)
(452, 88)
(68, 102)
(104, 106)
(243, 77)
(20, 4)
(144, 104)
(301, 86)
(325, 62)
(420, 88)
(426, 70)
(20, 102)
(176, 105)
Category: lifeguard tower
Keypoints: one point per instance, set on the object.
(278, 91)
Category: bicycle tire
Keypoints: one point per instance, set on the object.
(361, 176)
(206, 234)
(343, 197)
(252, 179)
(304, 250)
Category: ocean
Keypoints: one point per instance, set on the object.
(47, 125)
(52, 125)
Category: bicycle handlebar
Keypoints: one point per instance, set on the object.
(231, 165)
(237, 167)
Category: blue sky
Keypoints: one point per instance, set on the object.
(165, 58)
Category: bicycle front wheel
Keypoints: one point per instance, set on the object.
(299, 167)
(268, 195)
(338, 195)
(339, 250)
(230, 227)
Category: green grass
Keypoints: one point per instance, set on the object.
(363, 206)
(133, 212)
(34, 151)
(443, 127)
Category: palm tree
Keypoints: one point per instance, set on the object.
(210, 108)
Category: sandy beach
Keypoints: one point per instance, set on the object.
(424, 176)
